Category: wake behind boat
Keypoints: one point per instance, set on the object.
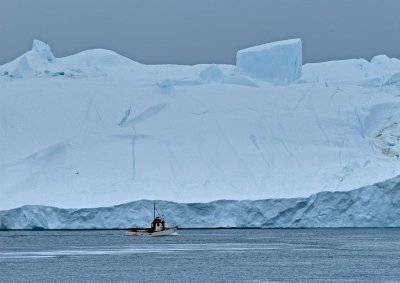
(158, 227)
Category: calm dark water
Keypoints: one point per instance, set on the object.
(281, 255)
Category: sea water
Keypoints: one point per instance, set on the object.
(201, 255)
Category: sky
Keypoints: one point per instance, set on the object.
(201, 31)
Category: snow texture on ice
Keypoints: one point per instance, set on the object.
(212, 73)
(98, 129)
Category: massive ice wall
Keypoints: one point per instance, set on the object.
(370, 206)
(277, 62)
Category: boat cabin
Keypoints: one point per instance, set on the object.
(158, 227)
(158, 224)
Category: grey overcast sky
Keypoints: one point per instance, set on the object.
(201, 31)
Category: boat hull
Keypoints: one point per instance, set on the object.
(148, 233)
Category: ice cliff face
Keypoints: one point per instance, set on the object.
(98, 129)
(372, 206)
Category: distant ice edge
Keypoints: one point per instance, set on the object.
(377, 205)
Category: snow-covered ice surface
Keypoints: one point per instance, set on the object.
(372, 206)
(98, 129)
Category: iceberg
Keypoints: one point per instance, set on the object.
(96, 129)
(371, 206)
(277, 62)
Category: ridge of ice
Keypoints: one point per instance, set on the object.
(41, 62)
(370, 206)
(43, 50)
(212, 73)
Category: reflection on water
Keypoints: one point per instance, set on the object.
(252, 255)
(137, 249)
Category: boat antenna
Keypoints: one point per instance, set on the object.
(154, 210)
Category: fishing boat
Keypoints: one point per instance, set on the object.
(158, 227)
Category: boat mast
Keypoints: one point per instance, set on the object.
(154, 210)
